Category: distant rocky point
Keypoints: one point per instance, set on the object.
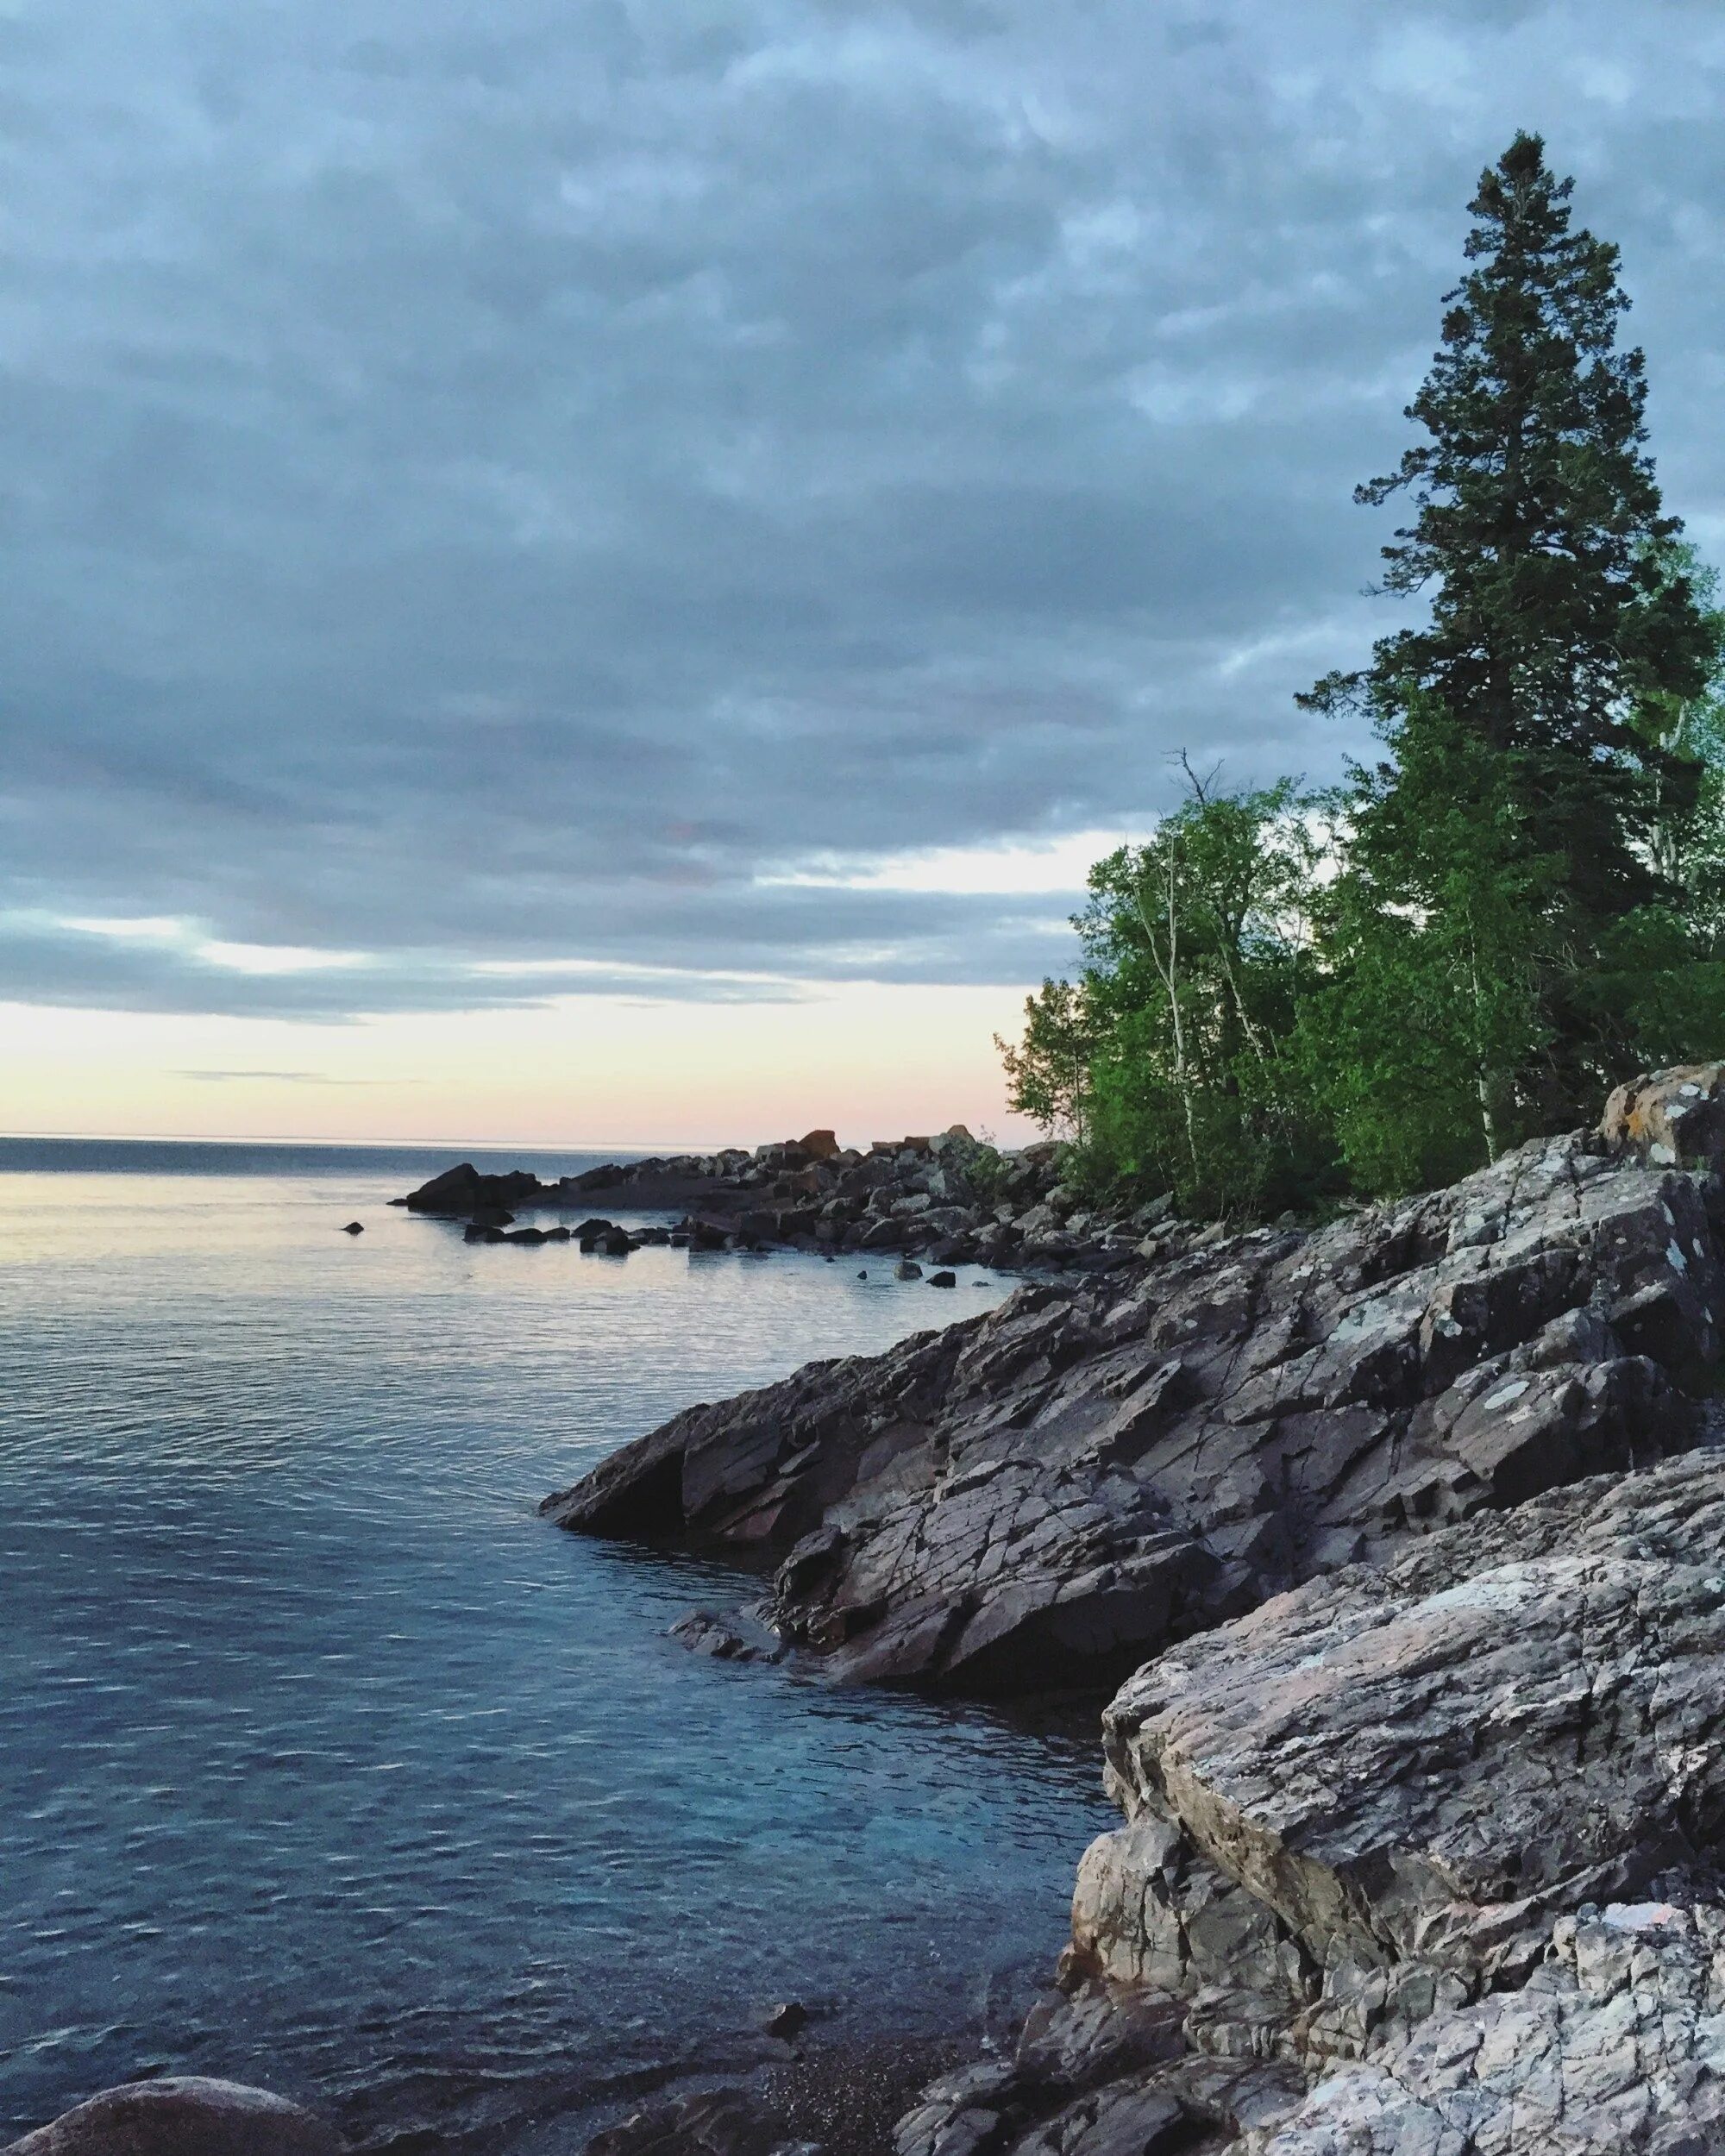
(945, 1197)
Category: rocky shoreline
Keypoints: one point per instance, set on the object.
(1399, 1543)
(946, 1198)
(1407, 1537)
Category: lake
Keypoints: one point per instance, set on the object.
(325, 1763)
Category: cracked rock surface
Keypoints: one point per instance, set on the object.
(1411, 1533)
(1058, 1488)
(1420, 1860)
(1616, 2044)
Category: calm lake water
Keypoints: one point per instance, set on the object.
(325, 1763)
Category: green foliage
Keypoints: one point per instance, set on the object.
(1523, 901)
(1686, 734)
(1519, 718)
(1048, 1073)
(1166, 1063)
(1433, 949)
(985, 1169)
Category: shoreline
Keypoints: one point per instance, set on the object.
(1400, 1546)
(1208, 1478)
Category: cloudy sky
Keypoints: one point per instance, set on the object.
(582, 568)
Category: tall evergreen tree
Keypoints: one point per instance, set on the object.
(1510, 715)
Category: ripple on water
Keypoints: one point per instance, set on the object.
(324, 1761)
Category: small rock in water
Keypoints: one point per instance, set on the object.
(863, 1275)
(701, 1633)
(787, 2019)
(182, 2116)
(943, 1279)
(907, 1269)
(354, 1227)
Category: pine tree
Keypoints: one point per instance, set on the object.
(1510, 715)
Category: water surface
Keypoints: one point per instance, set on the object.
(324, 1762)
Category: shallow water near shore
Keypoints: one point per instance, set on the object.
(325, 1763)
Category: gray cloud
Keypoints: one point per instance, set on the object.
(478, 494)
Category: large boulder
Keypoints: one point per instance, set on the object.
(1423, 1859)
(462, 1191)
(1673, 1118)
(1069, 1483)
(187, 2115)
(1429, 1763)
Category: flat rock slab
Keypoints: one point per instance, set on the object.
(1433, 1760)
(187, 2115)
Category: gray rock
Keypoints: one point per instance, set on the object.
(907, 1269)
(1430, 1763)
(726, 1639)
(1066, 1484)
(1675, 1118)
(187, 2115)
(1613, 2046)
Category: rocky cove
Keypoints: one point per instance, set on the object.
(1395, 1545)
(1406, 1535)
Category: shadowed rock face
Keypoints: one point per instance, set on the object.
(1066, 1484)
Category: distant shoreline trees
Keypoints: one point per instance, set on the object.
(1286, 997)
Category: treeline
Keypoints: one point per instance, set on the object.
(1287, 996)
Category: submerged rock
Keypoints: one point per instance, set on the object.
(726, 1639)
(714, 2123)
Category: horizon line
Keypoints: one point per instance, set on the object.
(400, 1145)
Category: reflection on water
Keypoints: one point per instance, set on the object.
(324, 1762)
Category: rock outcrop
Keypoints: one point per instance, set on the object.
(946, 1197)
(1069, 1483)
(1427, 1857)
(1414, 1528)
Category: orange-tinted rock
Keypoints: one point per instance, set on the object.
(1673, 1118)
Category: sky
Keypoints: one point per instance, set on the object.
(582, 571)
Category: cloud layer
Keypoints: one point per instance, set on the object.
(543, 497)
